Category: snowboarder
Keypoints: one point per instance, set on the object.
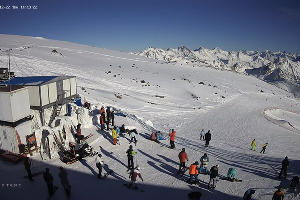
(133, 177)
(263, 149)
(248, 194)
(99, 164)
(114, 135)
(202, 134)
(133, 134)
(204, 163)
(231, 175)
(213, 176)
(294, 182)
(207, 138)
(112, 116)
(64, 180)
(172, 138)
(182, 158)
(253, 145)
(130, 153)
(284, 166)
(102, 122)
(49, 181)
(278, 195)
(27, 165)
(193, 172)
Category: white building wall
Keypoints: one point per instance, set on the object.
(34, 95)
(5, 107)
(73, 86)
(52, 92)
(20, 106)
(44, 94)
(67, 87)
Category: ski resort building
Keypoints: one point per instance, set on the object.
(15, 119)
(48, 95)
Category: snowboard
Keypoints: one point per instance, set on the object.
(34, 174)
(133, 188)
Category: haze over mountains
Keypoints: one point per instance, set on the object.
(279, 68)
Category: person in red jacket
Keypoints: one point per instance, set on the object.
(194, 172)
(182, 158)
(133, 176)
(172, 138)
(102, 122)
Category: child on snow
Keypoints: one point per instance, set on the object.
(202, 134)
(133, 177)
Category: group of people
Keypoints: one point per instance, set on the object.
(253, 146)
(106, 117)
(206, 136)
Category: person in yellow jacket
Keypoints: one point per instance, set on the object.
(114, 135)
(253, 145)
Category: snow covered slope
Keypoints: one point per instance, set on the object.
(160, 96)
(279, 68)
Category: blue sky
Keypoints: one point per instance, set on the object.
(131, 25)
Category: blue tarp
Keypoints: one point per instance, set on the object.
(78, 102)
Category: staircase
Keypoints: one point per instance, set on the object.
(56, 111)
(58, 143)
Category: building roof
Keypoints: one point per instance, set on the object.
(35, 80)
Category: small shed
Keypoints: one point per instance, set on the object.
(48, 92)
(15, 119)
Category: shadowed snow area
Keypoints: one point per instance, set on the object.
(161, 96)
(287, 119)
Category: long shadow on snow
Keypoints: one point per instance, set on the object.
(86, 185)
(247, 162)
(106, 153)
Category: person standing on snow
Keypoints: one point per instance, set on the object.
(130, 153)
(64, 180)
(182, 158)
(253, 145)
(248, 194)
(194, 172)
(27, 166)
(49, 181)
(108, 114)
(278, 195)
(202, 134)
(214, 172)
(99, 164)
(102, 122)
(204, 164)
(112, 116)
(133, 177)
(207, 138)
(114, 135)
(133, 134)
(102, 111)
(284, 166)
(172, 138)
(263, 149)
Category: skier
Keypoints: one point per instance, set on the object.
(204, 163)
(231, 174)
(263, 149)
(278, 195)
(182, 158)
(207, 138)
(253, 145)
(112, 116)
(99, 164)
(49, 181)
(27, 165)
(133, 134)
(248, 194)
(102, 122)
(130, 153)
(114, 135)
(133, 177)
(213, 176)
(172, 138)
(64, 181)
(284, 166)
(193, 171)
(294, 182)
(202, 134)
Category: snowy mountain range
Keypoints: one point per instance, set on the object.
(279, 68)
